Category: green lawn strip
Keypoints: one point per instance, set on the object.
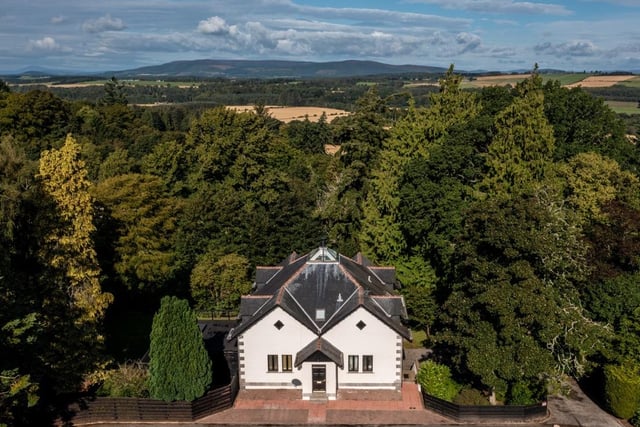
(624, 107)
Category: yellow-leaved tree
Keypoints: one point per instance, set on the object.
(68, 245)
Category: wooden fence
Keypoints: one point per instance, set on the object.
(485, 413)
(104, 409)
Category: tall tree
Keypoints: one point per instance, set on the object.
(114, 93)
(138, 221)
(69, 245)
(522, 148)
(179, 366)
(250, 189)
(361, 137)
(512, 315)
(413, 137)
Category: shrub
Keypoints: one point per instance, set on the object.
(622, 389)
(128, 380)
(435, 379)
(523, 393)
(180, 368)
(471, 397)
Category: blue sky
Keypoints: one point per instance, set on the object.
(95, 35)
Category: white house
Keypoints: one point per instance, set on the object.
(319, 323)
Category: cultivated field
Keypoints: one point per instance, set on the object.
(602, 81)
(623, 107)
(566, 79)
(289, 114)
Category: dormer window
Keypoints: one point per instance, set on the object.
(320, 313)
(323, 254)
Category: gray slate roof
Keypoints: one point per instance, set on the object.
(324, 280)
(322, 346)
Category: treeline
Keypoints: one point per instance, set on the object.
(333, 93)
(511, 214)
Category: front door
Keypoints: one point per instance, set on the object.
(319, 378)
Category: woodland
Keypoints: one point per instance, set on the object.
(512, 215)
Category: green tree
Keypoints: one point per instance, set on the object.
(584, 123)
(179, 366)
(414, 137)
(218, 282)
(418, 281)
(38, 119)
(512, 313)
(522, 148)
(622, 388)
(116, 163)
(138, 220)
(69, 245)
(250, 189)
(114, 93)
(361, 138)
(17, 390)
(435, 379)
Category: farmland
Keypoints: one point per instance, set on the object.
(624, 107)
(602, 81)
(289, 114)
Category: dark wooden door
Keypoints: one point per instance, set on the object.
(319, 378)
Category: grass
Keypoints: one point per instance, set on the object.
(565, 78)
(635, 82)
(418, 338)
(624, 107)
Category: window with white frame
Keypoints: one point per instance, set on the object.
(367, 363)
(287, 366)
(272, 362)
(353, 363)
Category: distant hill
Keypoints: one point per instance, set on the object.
(271, 69)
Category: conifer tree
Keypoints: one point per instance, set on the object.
(522, 149)
(69, 245)
(180, 368)
(412, 137)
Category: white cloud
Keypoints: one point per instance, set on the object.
(104, 23)
(500, 6)
(468, 42)
(567, 49)
(46, 44)
(214, 25)
(59, 19)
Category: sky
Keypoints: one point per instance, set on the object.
(497, 35)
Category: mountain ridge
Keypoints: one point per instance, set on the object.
(240, 68)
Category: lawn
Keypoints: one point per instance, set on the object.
(418, 339)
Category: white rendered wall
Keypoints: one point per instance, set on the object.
(376, 339)
(263, 339)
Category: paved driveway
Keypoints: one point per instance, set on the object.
(579, 410)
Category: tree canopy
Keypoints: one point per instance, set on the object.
(179, 366)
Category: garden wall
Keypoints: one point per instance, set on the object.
(104, 409)
(485, 413)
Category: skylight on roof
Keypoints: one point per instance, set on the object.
(324, 254)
